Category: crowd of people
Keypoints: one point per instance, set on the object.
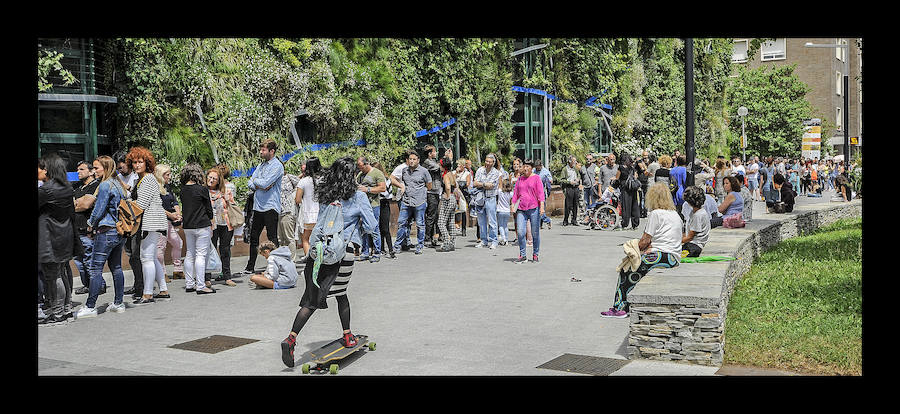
(82, 223)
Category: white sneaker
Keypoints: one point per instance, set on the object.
(41, 314)
(479, 245)
(493, 246)
(116, 308)
(86, 312)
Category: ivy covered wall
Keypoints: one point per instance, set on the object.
(384, 90)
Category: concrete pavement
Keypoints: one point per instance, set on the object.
(472, 312)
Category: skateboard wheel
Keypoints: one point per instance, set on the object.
(371, 346)
(305, 368)
(333, 368)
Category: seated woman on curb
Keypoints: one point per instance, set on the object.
(660, 246)
(697, 223)
(732, 207)
(281, 273)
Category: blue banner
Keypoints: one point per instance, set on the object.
(309, 148)
(589, 102)
(443, 125)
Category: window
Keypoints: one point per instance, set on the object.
(839, 81)
(839, 119)
(839, 52)
(739, 51)
(61, 117)
(773, 50)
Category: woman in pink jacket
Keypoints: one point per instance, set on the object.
(528, 204)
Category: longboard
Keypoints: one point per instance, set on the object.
(334, 351)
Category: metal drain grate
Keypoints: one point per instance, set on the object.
(213, 344)
(582, 364)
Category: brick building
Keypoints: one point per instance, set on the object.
(821, 69)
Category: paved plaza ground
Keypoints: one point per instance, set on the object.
(472, 312)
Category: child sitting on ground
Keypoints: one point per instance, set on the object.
(281, 273)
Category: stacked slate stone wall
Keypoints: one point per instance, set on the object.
(689, 330)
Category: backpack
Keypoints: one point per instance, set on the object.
(129, 215)
(673, 185)
(329, 247)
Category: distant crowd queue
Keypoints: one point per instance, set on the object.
(128, 202)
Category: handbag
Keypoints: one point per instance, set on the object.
(235, 215)
(213, 262)
(461, 204)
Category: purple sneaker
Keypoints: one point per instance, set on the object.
(612, 313)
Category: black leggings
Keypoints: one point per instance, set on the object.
(343, 311)
(384, 226)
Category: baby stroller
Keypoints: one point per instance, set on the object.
(603, 215)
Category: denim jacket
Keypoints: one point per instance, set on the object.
(105, 213)
(269, 173)
(356, 210)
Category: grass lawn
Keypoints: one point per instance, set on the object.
(799, 308)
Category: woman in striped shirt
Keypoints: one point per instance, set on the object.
(338, 184)
(153, 223)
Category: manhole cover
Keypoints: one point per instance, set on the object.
(582, 364)
(213, 344)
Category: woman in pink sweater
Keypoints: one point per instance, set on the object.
(528, 204)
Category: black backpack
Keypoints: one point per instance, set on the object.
(673, 185)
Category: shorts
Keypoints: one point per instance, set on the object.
(333, 280)
(277, 286)
(752, 184)
(309, 226)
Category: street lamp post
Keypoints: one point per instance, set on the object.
(846, 83)
(689, 108)
(742, 111)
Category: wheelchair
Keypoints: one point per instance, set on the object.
(602, 215)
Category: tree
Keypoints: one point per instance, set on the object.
(776, 100)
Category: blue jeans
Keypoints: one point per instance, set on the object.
(487, 221)
(376, 239)
(107, 249)
(83, 263)
(503, 225)
(406, 213)
(534, 215)
(589, 196)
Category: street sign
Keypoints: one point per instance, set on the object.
(812, 141)
(854, 140)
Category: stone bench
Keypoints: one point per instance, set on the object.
(679, 314)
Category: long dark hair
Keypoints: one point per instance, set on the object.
(55, 167)
(338, 182)
(625, 159)
(313, 168)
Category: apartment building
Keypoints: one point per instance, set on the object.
(821, 69)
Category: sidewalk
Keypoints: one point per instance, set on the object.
(472, 312)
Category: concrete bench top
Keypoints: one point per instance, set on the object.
(702, 284)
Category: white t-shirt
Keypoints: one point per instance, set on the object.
(699, 223)
(664, 228)
(129, 180)
(398, 172)
(309, 206)
(503, 201)
(739, 170)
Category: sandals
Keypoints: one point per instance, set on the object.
(204, 291)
